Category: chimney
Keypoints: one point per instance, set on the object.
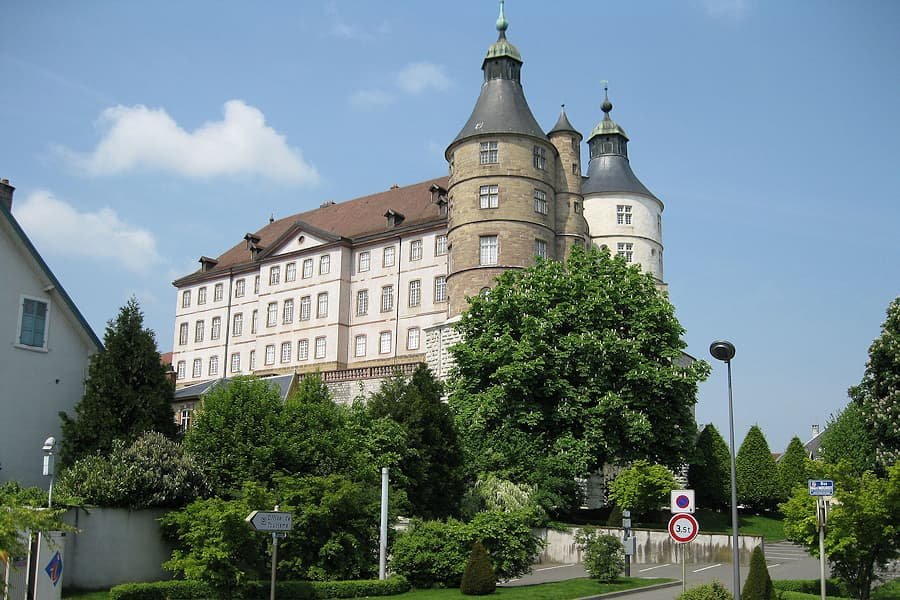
(6, 194)
(815, 430)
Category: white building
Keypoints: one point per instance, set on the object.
(46, 348)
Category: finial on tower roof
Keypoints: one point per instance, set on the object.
(502, 23)
(607, 106)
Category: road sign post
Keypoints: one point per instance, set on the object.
(279, 523)
(683, 528)
(821, 490)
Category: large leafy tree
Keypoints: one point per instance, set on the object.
(878, 394)
(758, 485)
(793, 468)
(642, 487)
(126, 394)
(566, 366)
(848, 438)
(709, 472)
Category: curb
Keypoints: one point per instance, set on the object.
(656, 586)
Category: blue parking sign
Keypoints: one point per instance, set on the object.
(821, 487)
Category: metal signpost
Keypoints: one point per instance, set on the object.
(279, 523)
(627, 540)
(822, 490)
(683, 528)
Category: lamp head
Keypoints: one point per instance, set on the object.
(49, 444)
(722, 350)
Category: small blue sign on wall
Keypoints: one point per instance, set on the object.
(821, 487)
(54, 568)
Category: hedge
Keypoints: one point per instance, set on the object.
(259, 590)
(833, 587)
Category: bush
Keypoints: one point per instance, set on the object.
(604, 556)
(161, 590)
(478, 579)
(833, 587)
(758, 585)
(393, 585)
(259, 590)
(707, 591)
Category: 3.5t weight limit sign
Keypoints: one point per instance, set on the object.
(683, 528)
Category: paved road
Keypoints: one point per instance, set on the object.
(784, 559)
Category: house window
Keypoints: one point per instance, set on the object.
(185, 423)
(415, 250)
(197, 369)
(360, 346)
(574, 168)
(237, 325)
(252, 359)
(304, 308)
(387, 298)
(540, 248)
(288, 311)
(488, 250)
(540, 202)
(415, 292)
(290, 272)
(239, 286)
(254, 321)
(236, 362)
(488, 154)
(198, 331)
(286, 352)
(320, 347)
(272, 314)
(303, 350)
(388, 257)
(270, 354)
(325, 264)
(489, 196)
(274, 275)
(185, 299)
(182, 368)
(384, 342)
(362, 302)
(182, 334)
(659, 224)
(623, 214)
(201, 296)
(440, 245)
(540, 158)
(213, 365)
(412, 338)
(322, 305)
(440, 288)
(625, 249)
(256, 284)
(364, 261)
(216, 328)
(307, 268)
(217, 292)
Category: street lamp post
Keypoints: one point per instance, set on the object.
(49, 447)
(724, 351)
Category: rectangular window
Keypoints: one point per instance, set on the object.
(625, 249)
(182, 370)
(252, 359)
(325, 264)
(412, 338)
(239, 286)
(216, 329)
(364, 261)
(272, 314)
(540, 202)
(623, 214)
(197, 369)
(360, 346)
(201, 296)
(288, 311)
(274, 275)
(440, 288)
(540, 248)
(574, 168)
(254, 321)
(488, 250)
(236, 362)
(362, 302)
(198, 331)
(488, 153)
(322, 305)
(440, 245)
(415, 250)
(489, 196)
(185, 299)
(320, 347)
(540, 158)
(388, 257)
(307, 268)
(237, 325)
(286, 352)
(213, 365)
(303, 350)
(659, 224)
(270, 354)
(415, 292)
(256, 284)
(182, 334)
(185, 423)
(290, 272)
(387, 298)
(384, 342)
(304, 308)
(217, 292)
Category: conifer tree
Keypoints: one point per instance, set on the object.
(757, 476)
(759, 584)
(478, 578)
(792, 469)
(709, 472)
(127, 392)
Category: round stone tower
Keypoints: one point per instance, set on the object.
(571, 227)
(622, 214)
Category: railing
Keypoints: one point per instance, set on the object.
(376, 372)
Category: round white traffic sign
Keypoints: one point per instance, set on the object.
(683, 527)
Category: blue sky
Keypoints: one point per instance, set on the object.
(141, 136)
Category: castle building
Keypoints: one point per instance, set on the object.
(360, 288)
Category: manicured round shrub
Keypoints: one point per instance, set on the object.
(478, 579)
(707, 591)
(604, 556)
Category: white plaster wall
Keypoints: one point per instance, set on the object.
(644, 231)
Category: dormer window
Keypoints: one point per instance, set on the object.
(394, 218)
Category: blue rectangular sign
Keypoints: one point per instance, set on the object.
(821, 487)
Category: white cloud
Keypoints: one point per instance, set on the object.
(416, 78)
(370, 99)
(58, 228)
(241, 143)
(729, 9)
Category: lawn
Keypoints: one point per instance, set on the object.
(720, 522)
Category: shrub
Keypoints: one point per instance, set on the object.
(604, 556)
(393, 585)
(833, 587)
(259, 590)
(758, 585)
(478, 579)
(707, 591)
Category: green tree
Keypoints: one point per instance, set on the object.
(642, 487)
(793, 468)
(126, 393)
(566, 366)
(757, 476)
(863, 524)
(604, 556)
(878, 394)
(758, 585)
(709, 472)
(848, 437)
(478, 578)
(432, 460)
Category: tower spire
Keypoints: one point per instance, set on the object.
(607, 106)
(502, 23)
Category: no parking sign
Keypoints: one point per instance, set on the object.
(682, 501)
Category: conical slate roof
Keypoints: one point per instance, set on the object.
(563, 124)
